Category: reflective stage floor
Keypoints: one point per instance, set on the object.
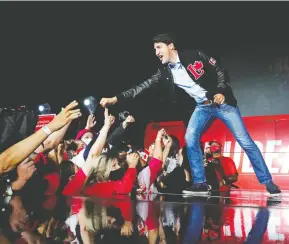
(244, 217)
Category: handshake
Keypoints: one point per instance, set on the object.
(105, 102)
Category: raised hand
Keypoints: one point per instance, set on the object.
(90, 122)
(161, 134)
(64, 117)
(129, 120)
(108, 119)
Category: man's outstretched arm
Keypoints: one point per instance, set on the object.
(132, 92)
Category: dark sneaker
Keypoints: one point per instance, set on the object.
(198, 189)
(273, 202)
(273, 189)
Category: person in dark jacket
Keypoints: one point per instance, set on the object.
(193, 77)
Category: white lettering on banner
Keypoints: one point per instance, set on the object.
(284, 214)
(274, 226)
(237, 155)
(271, 154)
(285, 166)
(238, 223)
(244, 220)
(227, 148)
(247, 216)
(247, 166)
(227, 230)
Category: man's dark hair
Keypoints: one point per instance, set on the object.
(166, 38)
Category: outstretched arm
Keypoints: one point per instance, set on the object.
(132, 92)
(14, 155)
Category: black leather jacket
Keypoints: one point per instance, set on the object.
(203, 69)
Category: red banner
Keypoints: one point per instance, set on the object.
(44, 120)
(270, 133)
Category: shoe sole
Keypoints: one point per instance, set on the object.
(196, 196)
(197, 193)
(275, 194)
(268, 194)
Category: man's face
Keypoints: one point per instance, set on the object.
(215, 145)
(163, 51)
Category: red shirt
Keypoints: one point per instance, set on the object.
(228, 165)
(229, 168)
(102, 189)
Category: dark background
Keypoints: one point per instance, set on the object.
(56, 52)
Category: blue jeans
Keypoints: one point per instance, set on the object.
(199, 122)
(195, 225)
(259, 227)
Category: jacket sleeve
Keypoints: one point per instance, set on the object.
(116, 135)
(140, 88)
(215, 69)
(75, 186)
(123, 186)
(155, 166)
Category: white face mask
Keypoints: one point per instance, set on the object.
(86, 140)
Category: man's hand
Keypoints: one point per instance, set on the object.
(219, 99)
(105, 102)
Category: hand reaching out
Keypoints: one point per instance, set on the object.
(105, 102)
(108, 119)
(90, 122)
(129, 120)
(64, 117)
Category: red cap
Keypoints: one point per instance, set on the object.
(215, 141)
(81, 133)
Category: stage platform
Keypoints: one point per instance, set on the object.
(243, 217)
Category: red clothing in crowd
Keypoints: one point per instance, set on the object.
(122, 202)
(229, 168)
(123, 186)
(155, 166)
(228, 165)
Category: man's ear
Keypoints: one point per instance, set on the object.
(171, 46)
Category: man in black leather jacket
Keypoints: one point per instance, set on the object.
(203, 80)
